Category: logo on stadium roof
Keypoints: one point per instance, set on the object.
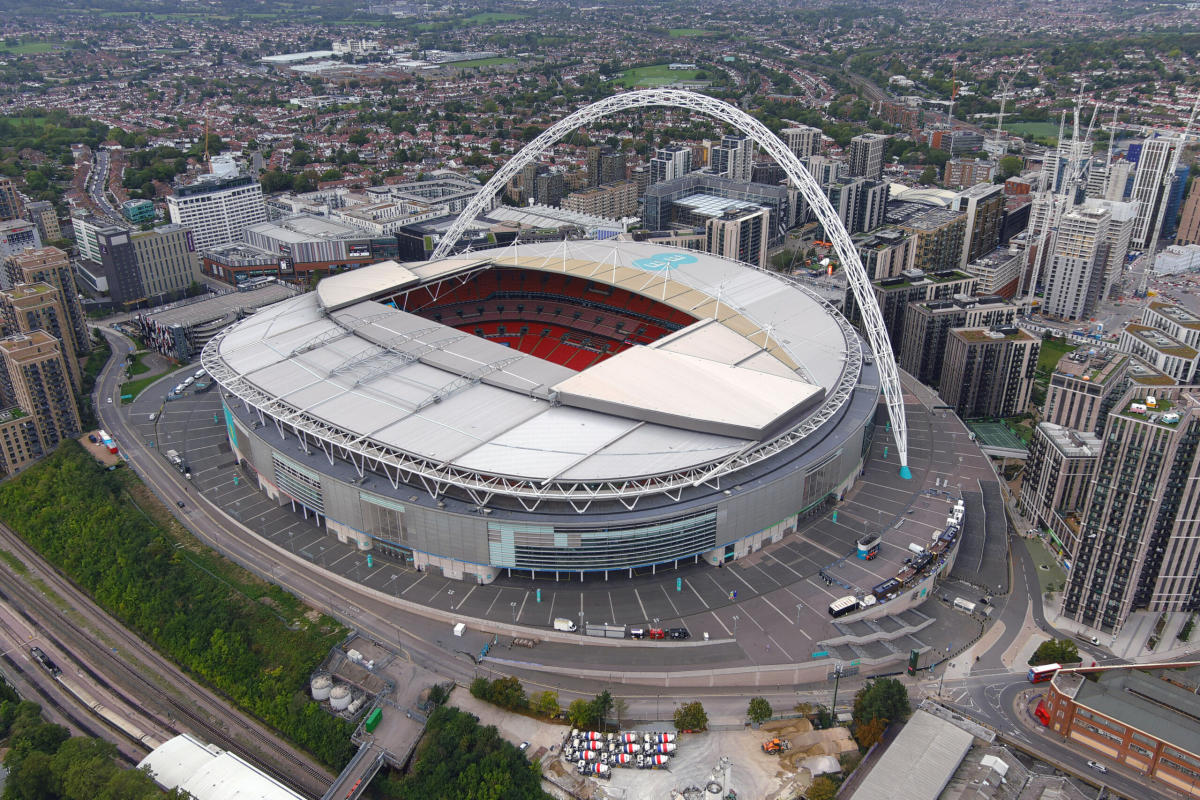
(664, 262)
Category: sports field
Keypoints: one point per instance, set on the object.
(996, 434)
(657, 75)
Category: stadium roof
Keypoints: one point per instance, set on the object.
(766, 356)
(209, 773)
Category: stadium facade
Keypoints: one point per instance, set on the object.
(552, 409)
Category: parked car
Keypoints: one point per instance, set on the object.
(1096, 765)
(657, 633)
(637, 633)
(179, 503)
(678, 633)
(92, 438)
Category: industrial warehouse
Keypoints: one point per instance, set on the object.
(551, 409)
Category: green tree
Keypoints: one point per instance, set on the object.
(581, 714)
(1010, 165)
(929, 175)
(883, 699)
(545, 704)
(869, 732)
(603, 703)
(691, 717)
(1051, 651)
(823, 788)
(759, 710)
(507, 692)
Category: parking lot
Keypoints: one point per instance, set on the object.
(769, 607)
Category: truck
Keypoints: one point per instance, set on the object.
(915, 548)
(564, 624)
(108, 443)
(774, 747)
(964, 605)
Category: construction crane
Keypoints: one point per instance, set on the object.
(1005, 91)
(1068, 190)
(1168, 180)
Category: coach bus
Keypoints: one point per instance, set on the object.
(843, 606)
(1043, 673)
(868, 546)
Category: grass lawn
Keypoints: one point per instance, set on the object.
(689, 33)
(30, 48)
(1048, 570)
(1047, 129)
(486, 17)
(138, 367)
(1052, 350)
(138, 385)
(482, 62)
(657, 75)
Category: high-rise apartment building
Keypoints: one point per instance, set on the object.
(1152, 186)
(740, 234)
(1189, 218)
(732, 159)
(865, 155)
(1075, 279)
(1083, 388)
(51, 265)
(218, 209)
(938, 236)
(860, 203)
(670, 163)
(963, 172)
(999, 272)
(1162, 351)
(1137, 547)
(1058, 475)
(30, 307)
(34, 376)
(885, 252)
(616, 200)
(549, 188)
(824, 169)
(692, 199)
(1120, 232)
(604, 165)
(913, 286)
(988, 371)
(43, 216)
(927, 328)
(802, 140)
(1175, 320)
(19, 444)
(983, 206)
(10, 201)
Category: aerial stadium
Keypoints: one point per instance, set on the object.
(551, 408)
(562, 409)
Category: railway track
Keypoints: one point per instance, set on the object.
(95, 658)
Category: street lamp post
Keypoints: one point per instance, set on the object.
(837, 677)
(735, 620)
(513, 605)
(581, 622)
(942, 680)
(450, 594)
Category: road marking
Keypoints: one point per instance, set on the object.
(424, 575)
(645, 616)
(688, 584)
(553, 597)
(719, 622)
(465, 596)
(524, 600)
(779, 647)
(611, 608)
(670, 602)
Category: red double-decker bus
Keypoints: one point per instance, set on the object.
(1043, 673)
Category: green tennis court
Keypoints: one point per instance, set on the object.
(996, 434)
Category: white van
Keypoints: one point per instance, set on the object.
(564, 624)
(189, 381)
(199, 374)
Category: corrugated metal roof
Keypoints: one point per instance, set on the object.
(209, 773)
(918, 763)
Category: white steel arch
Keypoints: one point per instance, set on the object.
(860, 284)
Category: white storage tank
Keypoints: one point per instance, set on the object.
(357, 704)
(339, 697)
(321, 684)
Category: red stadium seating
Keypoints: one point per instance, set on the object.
(586, 321)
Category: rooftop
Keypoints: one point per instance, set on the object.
(709, 205)
(933, 219)
(919, 762)
(213, 308)
(1091, 365)
(1160, 341)
(1072, 444)
(1177, 314)
(1160, 701)
(984, 335)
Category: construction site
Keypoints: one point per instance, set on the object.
(775, 762)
